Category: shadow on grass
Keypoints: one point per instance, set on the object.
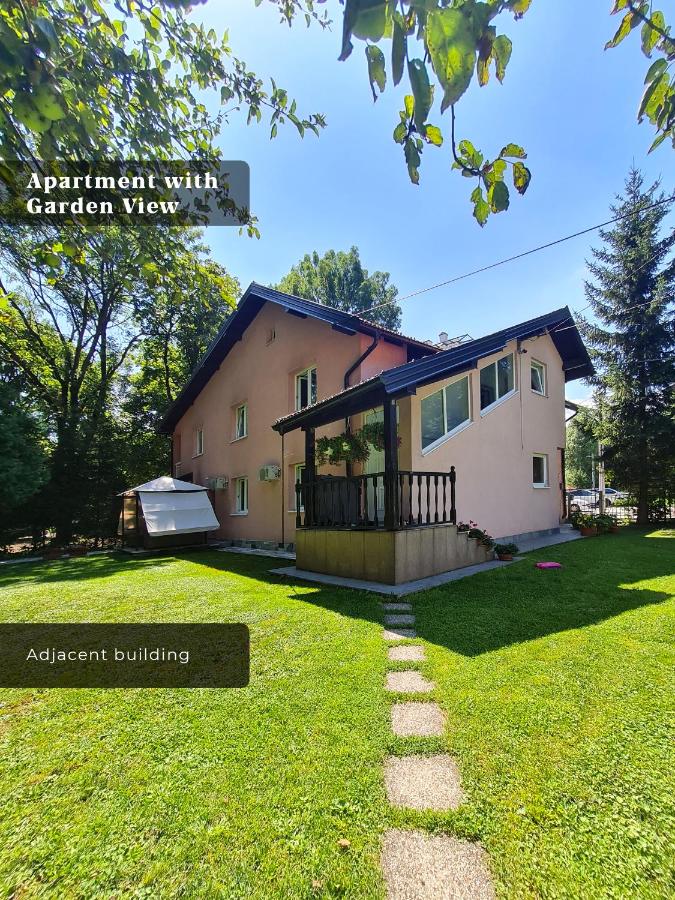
(599, 579)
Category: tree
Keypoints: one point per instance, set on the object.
(338, 279)
(79, 303)
(581, 448)
(22, 449)
(631, 291)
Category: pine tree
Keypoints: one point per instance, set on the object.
(633, 342)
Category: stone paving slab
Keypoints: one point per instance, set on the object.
(392, 590)
(408, 683)
(397, 607)
(417, 719)
(399, 619)
(397, 634)
(423, 782)
(406, 653)
(419, 866)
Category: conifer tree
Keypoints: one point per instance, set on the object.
(633, 343)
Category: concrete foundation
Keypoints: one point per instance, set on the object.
(389, 557)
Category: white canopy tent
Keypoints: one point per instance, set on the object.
(170, 507)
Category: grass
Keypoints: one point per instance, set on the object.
(555, 684)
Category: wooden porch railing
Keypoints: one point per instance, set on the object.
(402, 500)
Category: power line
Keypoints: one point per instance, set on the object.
(509, 259)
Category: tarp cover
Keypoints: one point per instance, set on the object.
(165, 483)
(171, 512)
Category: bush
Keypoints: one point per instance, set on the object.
(506, 549)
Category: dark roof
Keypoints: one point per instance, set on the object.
(253, 300)
(407, 378)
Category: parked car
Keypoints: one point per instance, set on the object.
(586, 499)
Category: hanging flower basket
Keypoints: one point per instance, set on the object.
(351, 447)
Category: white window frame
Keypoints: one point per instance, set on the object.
(462, 425)
(298, 469)
(541, 368)
(199, 441)
(544, 483)
(504, 397)
(308, 374)
(238, 409)
(240, 508)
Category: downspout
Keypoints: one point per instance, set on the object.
(283, 494)
(366, 353)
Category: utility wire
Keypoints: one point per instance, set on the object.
(509, 259)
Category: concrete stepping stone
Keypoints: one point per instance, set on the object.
(408, 683)
(420, 866)
(406, 653)
(397, 607)
(423, 782)
(399, 619)
(397, 634)
(417, 719)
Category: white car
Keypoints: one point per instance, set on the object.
(587, 499)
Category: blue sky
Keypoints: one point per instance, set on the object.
(567, 101)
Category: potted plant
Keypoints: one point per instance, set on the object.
(605, 523)
(505, 552)
(587, 524)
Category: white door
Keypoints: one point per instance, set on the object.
(375, 464)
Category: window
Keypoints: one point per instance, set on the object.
(241, 422)
(299, 469)
(199, 441)
(305, 388)
(496, 381)
(540, 470)
(241, 495)
(444, 412)
(538, 377)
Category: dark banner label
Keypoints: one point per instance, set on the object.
(185, 655)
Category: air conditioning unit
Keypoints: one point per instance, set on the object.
(219, 483)
(177, 469)
(269, 473)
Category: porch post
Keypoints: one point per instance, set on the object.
(390, 465)
(309, 476)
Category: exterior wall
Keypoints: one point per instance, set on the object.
(391, 557)
(261, 373)
(493, 454)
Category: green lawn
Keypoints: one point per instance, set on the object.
(555, 683)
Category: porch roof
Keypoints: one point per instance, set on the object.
(405, 379)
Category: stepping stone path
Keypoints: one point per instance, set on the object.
(399, 619)
(408, 683)
(417, 865)
(418, 719)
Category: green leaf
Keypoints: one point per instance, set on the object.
(45, 28)
(452, 47)
(412, 158)
(422, 91)
(373, 20)
(495, 172)
(513, 151)
(623, 31)
(656, 68)
(409, 103)
(650, 36)
(654, 96)
(400, 132)
(398, 48)
(376, 70)
(521, 177)
(470, 155)
(498, 197)
(481, 209)
(433, 135)
(519, 7)
(658, 140)
(501, 50)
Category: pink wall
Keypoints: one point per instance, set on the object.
(261, 373)
(493, 454)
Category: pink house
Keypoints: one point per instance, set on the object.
(283, 371)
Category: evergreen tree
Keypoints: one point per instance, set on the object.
(631, 295)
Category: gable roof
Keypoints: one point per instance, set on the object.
(253, 300)
(405, 379)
